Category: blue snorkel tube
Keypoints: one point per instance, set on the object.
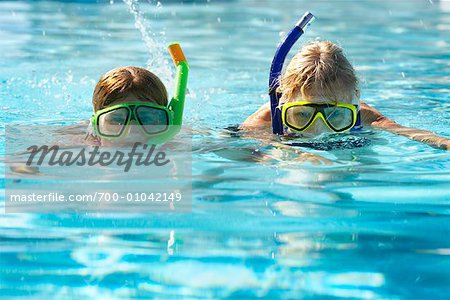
(277, 67)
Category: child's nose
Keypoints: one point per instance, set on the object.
(134, 128)
(319, 127)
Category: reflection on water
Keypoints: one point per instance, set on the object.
(262, 228)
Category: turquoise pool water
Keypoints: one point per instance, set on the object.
(373, 224)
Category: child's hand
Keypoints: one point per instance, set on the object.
(433, 141)
(20, 168)
(445, 145)
(289, 154)
(313, 158)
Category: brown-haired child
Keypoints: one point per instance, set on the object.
(122, 86)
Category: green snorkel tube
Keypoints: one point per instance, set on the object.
(177, 102)
(176, 105)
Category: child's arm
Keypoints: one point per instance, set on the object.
(371, 116)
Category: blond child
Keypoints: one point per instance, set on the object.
(320, 94)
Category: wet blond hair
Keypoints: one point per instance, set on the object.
(320, 69)
(121, 82)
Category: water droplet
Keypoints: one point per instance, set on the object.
(154, 42)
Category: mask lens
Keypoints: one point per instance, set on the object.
(339, 118)
(299, 117)
(152, 120)
(113, 122)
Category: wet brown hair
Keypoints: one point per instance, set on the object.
(121, 82)
(320, 69)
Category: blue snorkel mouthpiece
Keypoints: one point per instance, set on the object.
(277, 66)
(305, 21)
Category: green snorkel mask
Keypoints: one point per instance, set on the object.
(158, 123)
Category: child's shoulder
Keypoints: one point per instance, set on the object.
(260, 119)
(372, 117)
(369, 114)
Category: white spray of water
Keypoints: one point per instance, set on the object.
(155, 44)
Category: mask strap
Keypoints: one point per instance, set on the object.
(91, 136)
(358, 125)
(90, 128)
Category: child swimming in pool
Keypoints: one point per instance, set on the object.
(131, 105)
(116, 89)
(320, 94)
(121, 95)
(128, 96)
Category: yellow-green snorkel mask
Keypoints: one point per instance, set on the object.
(338, 117)
(158, 123)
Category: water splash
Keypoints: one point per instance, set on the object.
(155, 44)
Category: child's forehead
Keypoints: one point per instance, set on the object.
(327, 100)
(297, 96)
(131, 98)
